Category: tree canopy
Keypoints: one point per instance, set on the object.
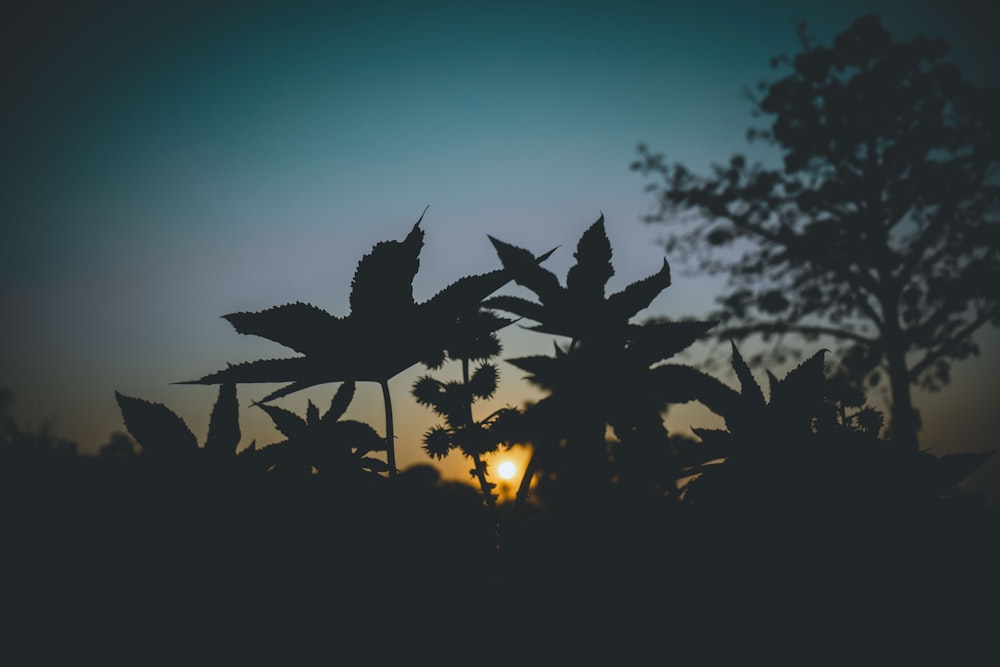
(878, 230)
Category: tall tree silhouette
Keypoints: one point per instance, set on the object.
(879, 230)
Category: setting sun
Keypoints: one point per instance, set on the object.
(506, 470)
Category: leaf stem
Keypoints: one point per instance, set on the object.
(390, 445)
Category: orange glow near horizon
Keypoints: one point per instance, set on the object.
(506, 469)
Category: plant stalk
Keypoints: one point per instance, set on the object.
(480, 469)
(390, 444)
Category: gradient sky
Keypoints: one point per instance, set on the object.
(165, 163)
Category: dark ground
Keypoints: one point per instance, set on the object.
(110, 561)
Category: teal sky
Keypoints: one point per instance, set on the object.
(165, 163)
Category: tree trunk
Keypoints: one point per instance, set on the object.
(904, 424)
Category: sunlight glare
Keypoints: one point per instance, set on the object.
(506, 470)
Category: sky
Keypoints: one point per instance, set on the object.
(165, 163)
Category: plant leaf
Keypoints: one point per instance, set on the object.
(312, 415)
(261, 371)
(593, 268)
(525, 269)
(679, 383)
(155, 427)
(340, 402)
(662, 339)
(466, 293)
(383, 279)
(299, 326)
(385, 334)
(356, 435)
(638, 295)
(804, 385)
(224, 424)
(518, 306)
(535, 364)
(287, 422)
(749, 388)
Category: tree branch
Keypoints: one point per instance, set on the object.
(801, 329)
(951, 342)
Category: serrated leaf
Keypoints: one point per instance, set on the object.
(466, 294)
(383, 279)
(750, 390)
(312, 414)
(638, 295)
(155, 427)
(224, 424)
(287, 422)
(593, 267)
(340, 402)
(525, 270)
(261, 371)
(679, 383)
(661, 340)
(580, 311)
(385, 334)
(299, 326)
(290, 389)
(804, 384)
(357, 435)
(534, 364)
(518, 306)
(772, 383)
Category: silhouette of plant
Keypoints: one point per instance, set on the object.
(163, 434)
(601, 377)
(27, 444)
(808, 448)
(386, 332)
(878, 231)
(453, 399)
(334, 447)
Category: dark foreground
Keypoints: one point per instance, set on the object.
(112, 563)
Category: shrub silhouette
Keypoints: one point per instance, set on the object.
(323, 443)
(803, 448)
(386, 332)
(601, 377)
(252, 533)
(29, 445)
(805, 452)
(162, 434)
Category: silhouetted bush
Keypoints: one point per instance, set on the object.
(632, 527)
